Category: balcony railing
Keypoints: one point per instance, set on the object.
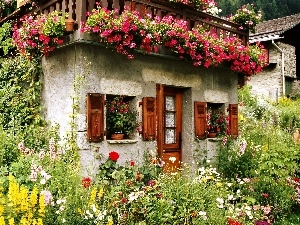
(77, 9)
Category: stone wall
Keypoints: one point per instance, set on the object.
(269, 82)
(108, 72)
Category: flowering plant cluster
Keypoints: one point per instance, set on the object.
(247, 17)
(129, 32)
(120, 118)
(39, 35)
(217, 121)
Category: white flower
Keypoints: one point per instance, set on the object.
(94, 208)
(43, 181)
(203, 214)
(172, 159)
(220, 200)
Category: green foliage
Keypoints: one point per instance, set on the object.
(270, 9)
(264, 156)
(6, 42)
(20, 98)
(54, 24)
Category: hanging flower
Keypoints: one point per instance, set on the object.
(129, 32)
(247, 17)
(114, 156)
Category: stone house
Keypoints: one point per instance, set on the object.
(171, 95)
(281, 38)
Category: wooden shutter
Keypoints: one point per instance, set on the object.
(149, 118)
(233, 121)
(95, 117)
(200, 119)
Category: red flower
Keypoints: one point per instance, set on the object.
(114, 156)
(265, 195)
(296, 179)
(138, 176)
(131, 163)
(233, 222)
(86, 182)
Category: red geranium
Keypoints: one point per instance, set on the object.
(86, 182)
(131, 163)
(233, 222)
(114, 156)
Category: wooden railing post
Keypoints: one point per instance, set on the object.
(80, 11)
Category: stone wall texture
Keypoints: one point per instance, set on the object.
(269, 82)
(108, 72)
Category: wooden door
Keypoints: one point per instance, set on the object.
(169, 123)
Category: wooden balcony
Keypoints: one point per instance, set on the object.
(77, 9)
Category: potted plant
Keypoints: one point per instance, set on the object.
(247, 18)
(216, 122)
(120, 118)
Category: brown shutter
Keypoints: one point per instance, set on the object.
(233, 122)
(149, 118)
(95, 117)
(200, 119)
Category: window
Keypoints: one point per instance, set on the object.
(121, 116)
(209, 117)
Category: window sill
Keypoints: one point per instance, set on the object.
(216, 139)
(124, 141)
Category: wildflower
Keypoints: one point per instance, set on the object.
(47, 196)
(86, 182)
(203, 215)
(220, 202)
(233, 222)
(114, 156)
(131, 163)
(265, 195)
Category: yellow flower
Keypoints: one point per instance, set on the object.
(33, 198)
(2, 222)
(42, 207)
(219, 184)
(100, 193)
(40, 221)
(11, 221)
(79, 211)
(1, 210)
(110, 221)
(93, 196)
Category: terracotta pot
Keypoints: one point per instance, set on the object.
(69, 23)
(211, 135)
(117, 136)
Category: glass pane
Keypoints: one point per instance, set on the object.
(170, 136)
(170, 119)
(170, 103)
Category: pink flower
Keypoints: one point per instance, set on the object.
(47, 196)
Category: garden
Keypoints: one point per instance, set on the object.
(254, 179)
